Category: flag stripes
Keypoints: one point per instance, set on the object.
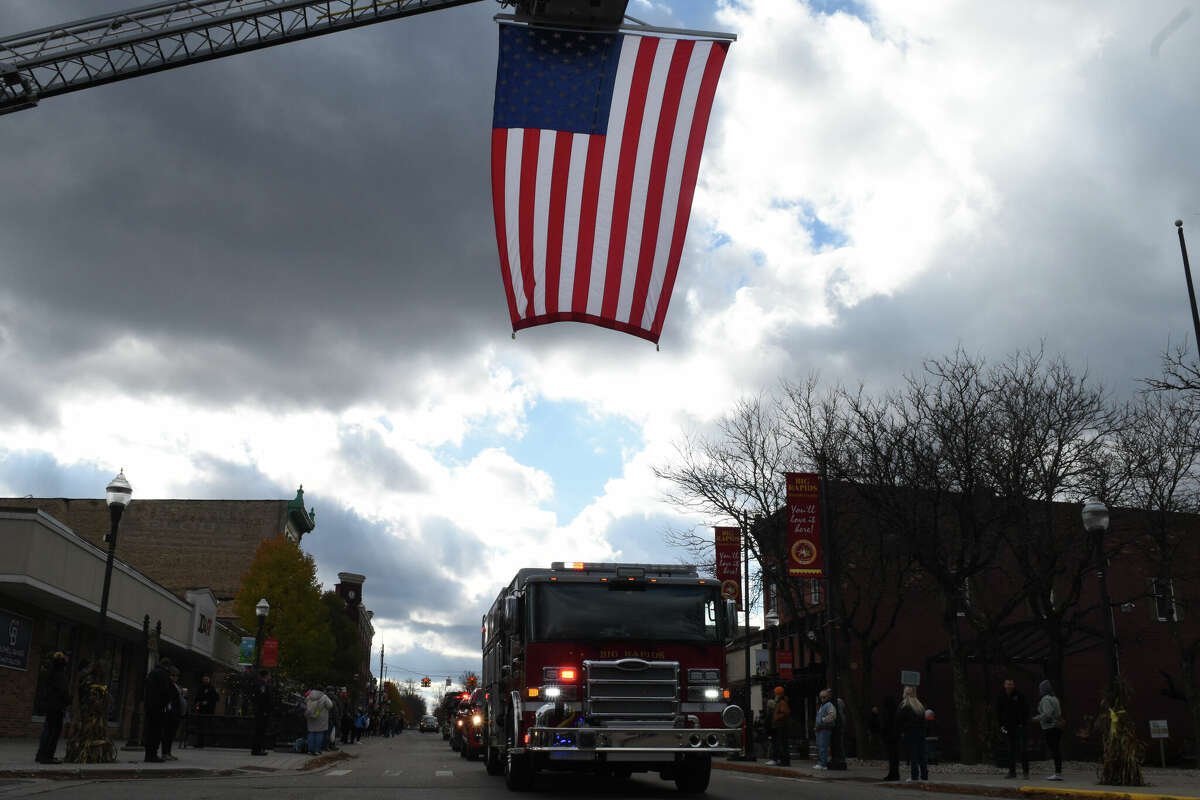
(590, 226)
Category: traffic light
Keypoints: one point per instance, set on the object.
(425, 681)
(471, 681)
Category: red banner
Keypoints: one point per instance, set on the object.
(270, 653)
(804, 526)
(784, 659)
(729, 563)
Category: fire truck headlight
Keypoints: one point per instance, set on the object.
(477, 720)
(553, 691)
(460, 723)
(732, 716)
(712, 694)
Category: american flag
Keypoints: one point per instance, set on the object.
(596, 142)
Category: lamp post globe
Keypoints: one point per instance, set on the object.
(117, 495)
(1095, 516)
(262, 608)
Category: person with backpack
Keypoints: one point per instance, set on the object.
(1050, 718)
(316, 714)
(825, 722)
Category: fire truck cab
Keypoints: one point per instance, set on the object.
(617, 668)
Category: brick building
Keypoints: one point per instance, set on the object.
(349, 588)
(1144, 608)
(184, 544)
(50, 586)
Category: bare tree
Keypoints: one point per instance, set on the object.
(736, 475)
(1049, 432)
(846, 436)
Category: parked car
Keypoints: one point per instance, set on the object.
(428, 724)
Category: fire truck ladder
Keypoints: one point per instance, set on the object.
(113, 47)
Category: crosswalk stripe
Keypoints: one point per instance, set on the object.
(444, 773)
(333, 772)
(388, 773)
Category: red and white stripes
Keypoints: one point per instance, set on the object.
(591, 228)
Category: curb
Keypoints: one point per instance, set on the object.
(115, 774)
(1078, 794)
(1036, 792)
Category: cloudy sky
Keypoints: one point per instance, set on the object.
(279, 268)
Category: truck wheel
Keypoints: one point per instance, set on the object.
(518, 773)
(492, 762)
(692, 774)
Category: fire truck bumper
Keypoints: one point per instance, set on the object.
(634, 740)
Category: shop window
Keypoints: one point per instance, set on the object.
(1164, 606)
(814, 591)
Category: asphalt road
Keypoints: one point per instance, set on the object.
(419, 766)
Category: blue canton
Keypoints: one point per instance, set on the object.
(555, 80)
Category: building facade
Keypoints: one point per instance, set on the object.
(51, 581)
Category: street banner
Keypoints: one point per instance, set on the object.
(270, 653)
(784, 659)
(596, 145)
(804, 526)
(246, 651)
(729, 563)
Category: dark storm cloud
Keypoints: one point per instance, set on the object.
(405, 578)
(283, 223)
(374, 462)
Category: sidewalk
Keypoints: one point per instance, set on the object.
(1079, 779)
(16, 761)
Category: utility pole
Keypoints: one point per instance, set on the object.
(748, 755)
(379, 695)
(837, 755)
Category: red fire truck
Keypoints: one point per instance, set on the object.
(618, 668)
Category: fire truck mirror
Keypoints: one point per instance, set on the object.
(510, 614)
(731, 620)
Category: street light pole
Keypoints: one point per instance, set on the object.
(262, 608)
(837, 755)
(1187, 272)
(748, 755)
(117, 495)
(1095, 522)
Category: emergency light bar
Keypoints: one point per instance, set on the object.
(625, 570)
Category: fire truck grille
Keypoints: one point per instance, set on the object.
(632, 689)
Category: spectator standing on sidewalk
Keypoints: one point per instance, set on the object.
(1012, 712)
(335, 716)
(781, 716)
(825, 722)
(206, 705)
(159, 690)
(57, 699)
(1050, 717)
(910, 718)
(264, 701)
(316, 714)
(891, 737)
(174, 709)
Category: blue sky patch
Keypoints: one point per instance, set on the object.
(578, 450)
(830, 7)
(37, 473)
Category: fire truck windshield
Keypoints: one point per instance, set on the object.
(597, 611)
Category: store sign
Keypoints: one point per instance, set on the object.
(16, 635)
(1158, 729)
(729, 563)
(804, 526)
